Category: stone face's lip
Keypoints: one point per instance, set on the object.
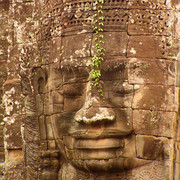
(104, 143)
(107, 133)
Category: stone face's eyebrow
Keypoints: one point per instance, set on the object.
(73, 74)
(79, 69)
(76, 62)
(113, 65)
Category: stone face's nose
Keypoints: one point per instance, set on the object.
(92, 110)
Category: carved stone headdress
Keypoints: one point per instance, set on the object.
(77, 15)
(70, 16)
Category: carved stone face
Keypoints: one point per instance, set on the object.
(133, 126)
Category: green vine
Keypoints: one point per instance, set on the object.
(99, 49)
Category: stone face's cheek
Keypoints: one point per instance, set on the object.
(129, 150)
(123, 120)
(73, 96)
(150, 147)
(61, 124)
(157, 123)
(155, 97)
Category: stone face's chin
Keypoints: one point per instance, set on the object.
(108, 165)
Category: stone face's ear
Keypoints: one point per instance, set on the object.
(39, 79)
(33, 86)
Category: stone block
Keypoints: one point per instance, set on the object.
(48, 110)
(3, 69)
(123, 119)
(157, 123)
(75, 89)
(1, 140)
(177, 150)
(114, 68)
(71, 154)
(150, 47)
(148, 71)
(14, 165)
(56, 50)
(52, 145)
(21, 11)
(116, 44)
(56, 97)
(61, 123)
(177, 171)
(12, 86)
(12, 136)
(129, 149)
(151, 147)
(73, 104)
(4, 26)
(49, 130)
(42, 128)
(4, 49)
(55, 79)
(157, 97)
(1, 143)
(23, 30)
(178, 131)
(4, 7)
(43, 145)
(69, 142)
(1, 170)
(119, 94)
(2, 157)
(39, 104)
(80, 49)
(2, 80)
(13, 105)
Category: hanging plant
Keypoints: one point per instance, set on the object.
(98, 57)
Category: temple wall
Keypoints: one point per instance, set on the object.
(4, 9)
(15, 32)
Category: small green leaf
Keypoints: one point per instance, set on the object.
(101, 18)
(100, 11)
(101, 24)
(101, 36)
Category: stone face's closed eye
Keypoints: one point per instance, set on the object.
(74, 89)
